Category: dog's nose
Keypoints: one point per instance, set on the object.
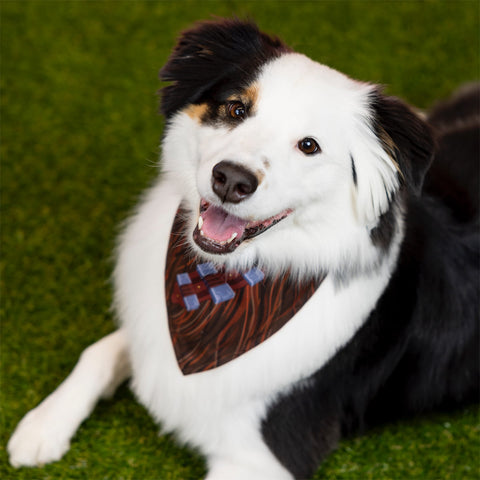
(233, 183)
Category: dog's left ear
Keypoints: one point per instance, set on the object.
(406, 138)
(212, 55)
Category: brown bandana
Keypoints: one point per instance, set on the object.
(215, 316)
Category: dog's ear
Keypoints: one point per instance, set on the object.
(406, 138)
(214, 53)
(394, 153)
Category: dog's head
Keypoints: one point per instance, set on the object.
(279, 157)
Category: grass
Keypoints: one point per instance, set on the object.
(79, 142)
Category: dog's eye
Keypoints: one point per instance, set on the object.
(308, 146)
(236, 110)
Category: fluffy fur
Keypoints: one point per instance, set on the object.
(256, 132)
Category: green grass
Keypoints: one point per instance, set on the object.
(79, 142)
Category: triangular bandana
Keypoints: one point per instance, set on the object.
(215, 316)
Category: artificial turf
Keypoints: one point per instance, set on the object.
(79, 142)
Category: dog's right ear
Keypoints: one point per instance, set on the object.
(211, 54)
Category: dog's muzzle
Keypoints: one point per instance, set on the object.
(219, 231)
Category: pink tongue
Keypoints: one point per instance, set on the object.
(219, 225)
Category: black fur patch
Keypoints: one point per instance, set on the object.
(408, 140)
(418, 351)
(455, 173)
(462, 108)
(214, 61)
(451, 178)
(382, 234)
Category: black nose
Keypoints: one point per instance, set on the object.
(233, 183)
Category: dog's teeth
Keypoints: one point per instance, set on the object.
(232, 238)
(201, 233)
(200, 222)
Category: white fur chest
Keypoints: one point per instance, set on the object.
(200, 406)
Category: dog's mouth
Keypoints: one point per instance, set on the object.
(220, 232)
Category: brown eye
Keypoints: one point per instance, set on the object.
(236, 110)
(308, 146)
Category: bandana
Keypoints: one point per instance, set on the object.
(215, 315)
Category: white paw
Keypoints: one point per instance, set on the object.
(222, 470)
(39, 438)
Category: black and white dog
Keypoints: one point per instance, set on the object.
(283, 175)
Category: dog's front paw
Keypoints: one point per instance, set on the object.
(38, 439)
(223, 469)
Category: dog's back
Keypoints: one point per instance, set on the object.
(454, 176)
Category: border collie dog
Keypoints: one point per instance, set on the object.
(306, 266)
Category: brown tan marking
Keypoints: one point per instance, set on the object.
(251, 96)
(389, 146)
(196, 112)
(248, 97)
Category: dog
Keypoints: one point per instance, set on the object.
(306, 266)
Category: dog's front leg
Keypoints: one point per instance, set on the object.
(254, 466)
(44, 434)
